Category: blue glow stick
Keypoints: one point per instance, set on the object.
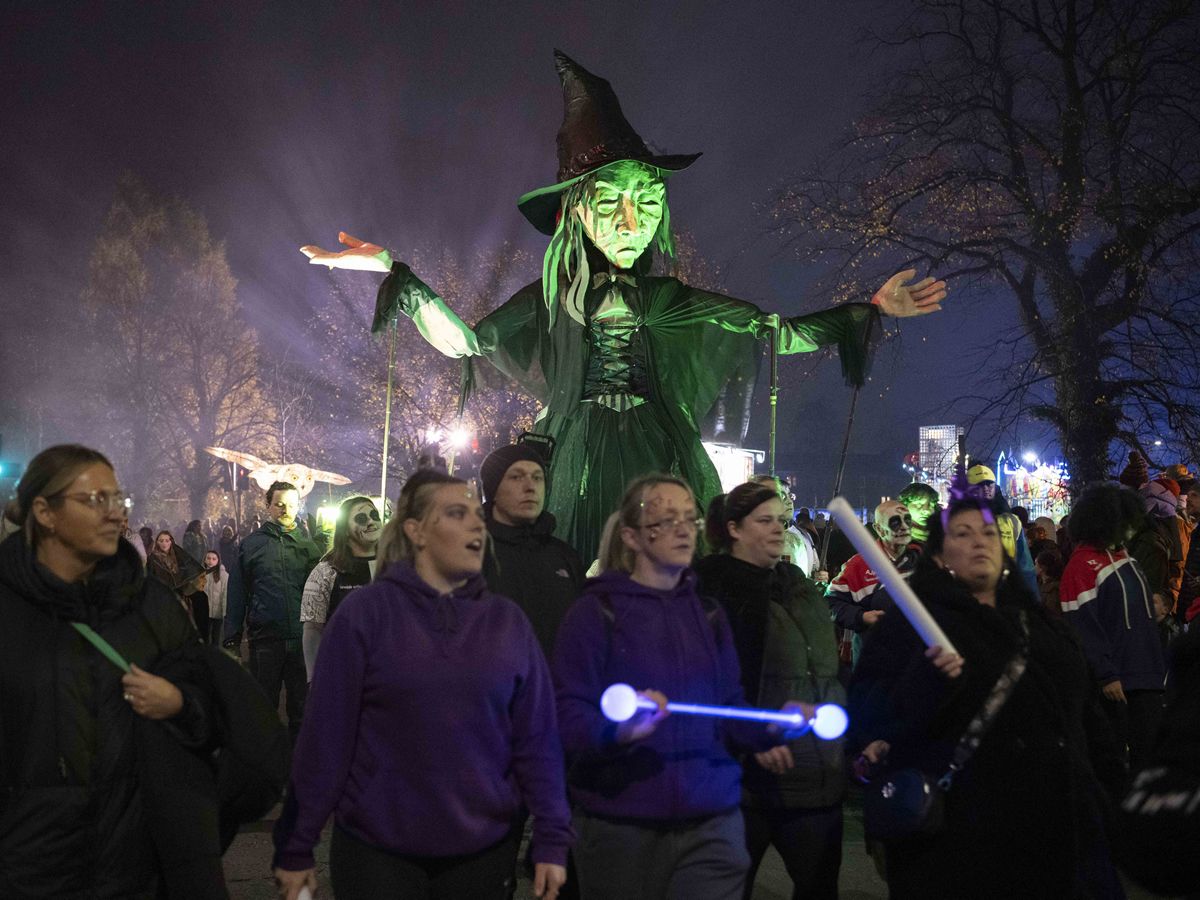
(620, 702)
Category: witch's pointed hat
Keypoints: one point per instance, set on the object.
(594, 134)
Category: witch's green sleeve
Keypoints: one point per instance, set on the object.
(851, 327)
(403, 292)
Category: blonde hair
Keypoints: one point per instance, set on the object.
(413, 503)
(614, 555)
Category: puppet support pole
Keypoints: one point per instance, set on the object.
(906, 601)
(387, 410)
(774, 392)
(841, 470)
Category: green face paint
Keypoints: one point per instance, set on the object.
(621, 210)
(921, 508)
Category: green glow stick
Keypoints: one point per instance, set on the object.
(102, 645)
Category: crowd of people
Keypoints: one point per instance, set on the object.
(454, 703)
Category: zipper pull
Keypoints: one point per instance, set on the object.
(62, 768)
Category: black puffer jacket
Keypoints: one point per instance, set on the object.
(1025, 817)
(71, 819)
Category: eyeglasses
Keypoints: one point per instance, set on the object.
(672, 524)
(100, 500)
(363, 518)
(896, 521)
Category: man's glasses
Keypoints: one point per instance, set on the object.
(672, 524)
(363, 518)
(101, 500)
(895, 522)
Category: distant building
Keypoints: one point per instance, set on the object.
(938, 452)
(734, 465)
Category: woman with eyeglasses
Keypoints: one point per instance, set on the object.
(430, 726)
(73, 822)
(350, 563)
(656, 797)
(792, 795)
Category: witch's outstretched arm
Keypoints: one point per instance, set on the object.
(851, 327)
(401, 292)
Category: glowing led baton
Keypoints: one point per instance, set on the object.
(906, 601)
(620, 702)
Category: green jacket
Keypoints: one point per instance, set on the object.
(267, 584)
(787, 650)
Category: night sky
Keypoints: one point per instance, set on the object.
(419, 124)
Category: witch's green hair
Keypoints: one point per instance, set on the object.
(566, 259)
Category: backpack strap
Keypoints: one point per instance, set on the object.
(710, 605)
(712, 612)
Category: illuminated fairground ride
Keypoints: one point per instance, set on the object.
(1037, 485)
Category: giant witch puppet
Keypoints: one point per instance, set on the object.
(624, 364)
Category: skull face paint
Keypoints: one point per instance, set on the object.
(893, 524)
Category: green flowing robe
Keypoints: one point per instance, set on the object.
(695, 344)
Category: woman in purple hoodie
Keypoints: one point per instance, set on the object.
(429, 725)
(656, 798)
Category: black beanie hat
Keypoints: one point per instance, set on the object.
(497, 463)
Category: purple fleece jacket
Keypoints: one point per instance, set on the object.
(665, 641)
(429, 722)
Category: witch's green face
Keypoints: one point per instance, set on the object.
(621, 210)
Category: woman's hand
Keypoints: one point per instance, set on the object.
(645, 721)
(949, 664)
(896, 298)
(547, 879)
(289, 884)
(361, 255)
(873, 756)
(806, 710)
(1113, 691)
(876, 752)
(151, 696)
(777, 760)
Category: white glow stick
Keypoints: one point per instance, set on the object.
(906, 601)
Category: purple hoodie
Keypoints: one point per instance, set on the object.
(429, 722)
(665, 641)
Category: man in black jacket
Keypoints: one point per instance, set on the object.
(525, 560)
(265, 589)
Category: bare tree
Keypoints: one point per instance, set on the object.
(1048, 152)
(177, 366)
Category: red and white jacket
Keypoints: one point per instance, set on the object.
(1106, 599)
(852, 592)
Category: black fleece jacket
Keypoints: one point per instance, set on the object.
(543, 574)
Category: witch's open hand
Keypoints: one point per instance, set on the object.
(361, 255)
(896, 298)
